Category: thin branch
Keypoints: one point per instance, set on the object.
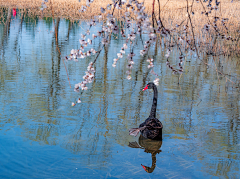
(192, 30)
(153, 13)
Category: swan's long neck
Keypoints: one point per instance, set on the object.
(154, 104)
(154, 160)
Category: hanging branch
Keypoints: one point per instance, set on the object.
(114, 6)
(153, 13)
(137, 22)
(159, 14)
(190, 20)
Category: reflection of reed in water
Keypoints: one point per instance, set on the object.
(150, 146)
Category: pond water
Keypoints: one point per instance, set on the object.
(43, 136)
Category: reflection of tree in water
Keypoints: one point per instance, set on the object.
(150, 146)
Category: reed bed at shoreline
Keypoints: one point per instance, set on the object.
(172, 11)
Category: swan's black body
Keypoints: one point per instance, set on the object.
(152, 127)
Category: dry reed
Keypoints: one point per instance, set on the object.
(172, 11)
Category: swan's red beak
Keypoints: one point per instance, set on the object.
(145, 88)
(144, 167)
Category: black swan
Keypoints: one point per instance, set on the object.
(152, 127)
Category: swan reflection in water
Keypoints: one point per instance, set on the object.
(150, 146)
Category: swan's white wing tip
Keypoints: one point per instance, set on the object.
(134, 131)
